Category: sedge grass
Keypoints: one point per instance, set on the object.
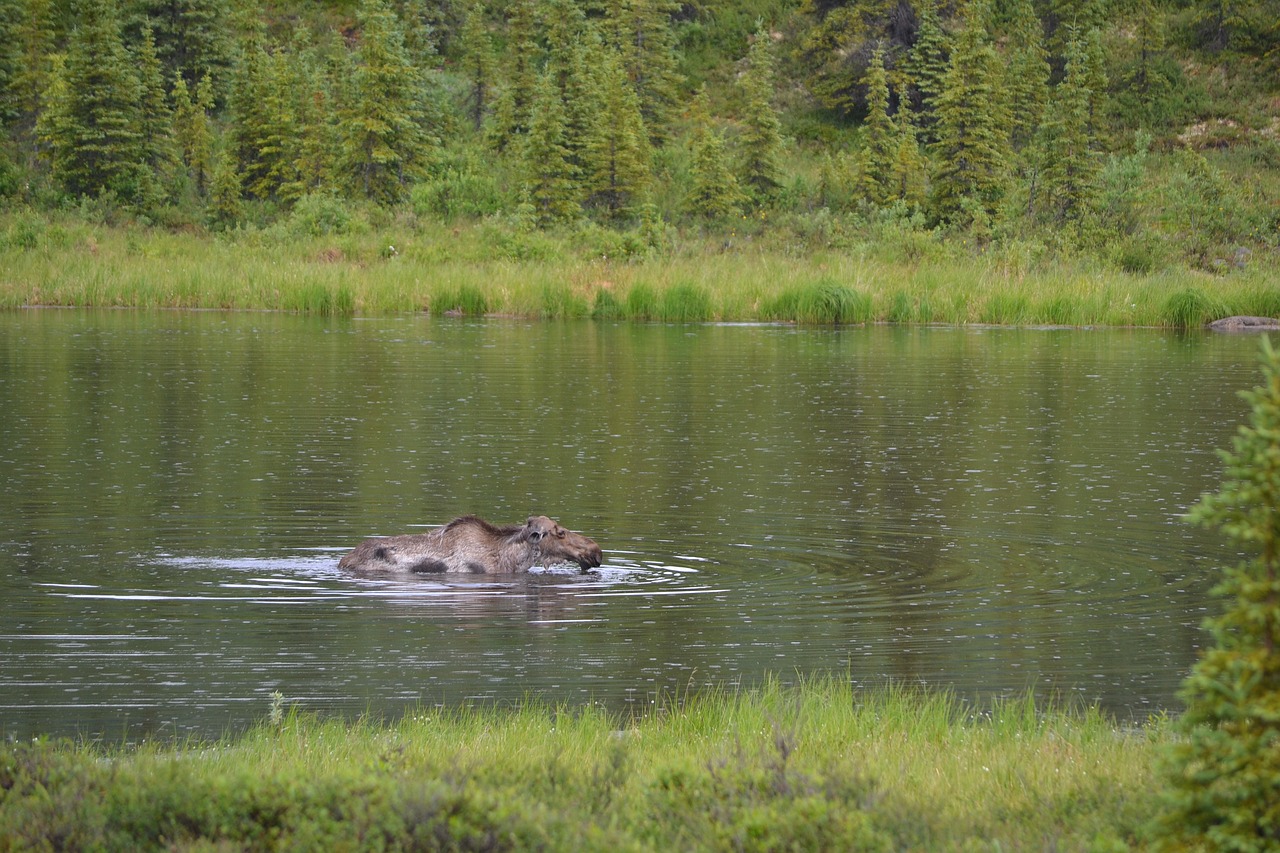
(818, 765)
(466, 270)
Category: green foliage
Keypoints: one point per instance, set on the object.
(880, 134)
(761, 142)
(1066, 145)
(91, 126)
(322, 214)
(616, 157)
(457, 190)
(551, 178)
(714, 194)
(386, 143)
(972, 130)
(1226, 772)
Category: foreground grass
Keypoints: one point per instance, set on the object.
(818, 766)
(481, 268)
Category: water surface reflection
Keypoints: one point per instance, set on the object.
(987, 510)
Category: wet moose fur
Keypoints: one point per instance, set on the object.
(471, 544)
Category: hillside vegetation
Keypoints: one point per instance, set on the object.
(1050, 139)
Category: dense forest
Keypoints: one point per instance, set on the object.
(1132, 130)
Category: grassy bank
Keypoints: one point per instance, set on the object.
(819, 766)
(771, 274)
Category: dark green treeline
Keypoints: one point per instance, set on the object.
(987, 119)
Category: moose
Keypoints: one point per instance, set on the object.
(473, 545)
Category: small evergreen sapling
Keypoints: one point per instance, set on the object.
(1226, 773)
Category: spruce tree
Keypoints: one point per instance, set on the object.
(1226, 771)
(761, 139)
(880, 135)
(617, 167)
(926, 66)
(29, 37)
(192, 36)
(155, 125)
(193, 129)
(715, 193)
(250, 122)
(515, 101)
(1070, 165)
(643, 35)
(972, 151)
(94, 141)
(225, 205)
(910, 172)
(550, 178)
(1027, 73)
(386, 145)
(478, 64)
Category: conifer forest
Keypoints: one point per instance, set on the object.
(1142, 134)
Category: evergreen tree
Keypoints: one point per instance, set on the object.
(761, 140)
(250, 121)
(880, 134)
(550, 178)
(478, 64)
(193, 129)
(582, 86)
(191, 36)
(1226, 771)
(1070, 165)
(643, 35)
(972, 150)
(925, 67)
(155, 126)
(836, 49)
(27, 38)
(515, 102)
(715, 193)
(91, 130)
(617, 156)
(910, 171)
(311, 148)
(1027, 73)
(385, 144)
(225, 205)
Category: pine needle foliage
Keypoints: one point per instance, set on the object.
(1226, 772)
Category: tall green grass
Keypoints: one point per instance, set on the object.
(819, 765)
(468, 270)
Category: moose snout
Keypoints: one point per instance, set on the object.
(591, 556)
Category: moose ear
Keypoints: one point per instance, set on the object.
(535, 535)
(532, 533)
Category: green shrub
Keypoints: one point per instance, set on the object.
(323, 214)
(456, 192)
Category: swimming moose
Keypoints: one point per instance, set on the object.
(473, 545)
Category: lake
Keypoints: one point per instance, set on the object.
(981, 510)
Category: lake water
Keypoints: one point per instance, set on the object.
(984, 510)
